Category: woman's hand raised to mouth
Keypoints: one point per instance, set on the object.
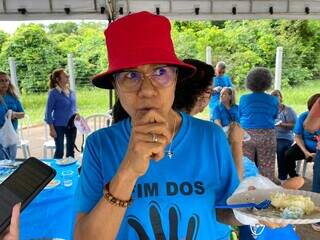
(149, 136)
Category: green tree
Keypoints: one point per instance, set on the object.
(91, 57)
(35, 54)
(66, 27)
(3, 38)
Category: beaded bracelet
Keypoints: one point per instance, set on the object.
(113, 200)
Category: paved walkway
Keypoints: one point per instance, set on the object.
(36, 137)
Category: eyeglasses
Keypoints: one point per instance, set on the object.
(160, 77)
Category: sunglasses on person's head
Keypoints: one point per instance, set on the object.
(130, 80)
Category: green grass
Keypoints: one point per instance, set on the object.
(89, 101)
(93, 100)
(295, 97)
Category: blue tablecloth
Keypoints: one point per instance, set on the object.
(51, 214)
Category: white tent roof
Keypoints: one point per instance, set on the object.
(175, 9)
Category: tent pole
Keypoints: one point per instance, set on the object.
(277, 81)
(13, 73)
(209, 55)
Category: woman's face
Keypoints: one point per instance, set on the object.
(202, 102)
(278, 96)
(4, 83)
(219, 71)
(64, 79)
(225, 96)
(146, 87)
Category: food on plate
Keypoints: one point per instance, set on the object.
(292, 206)
(292, 212)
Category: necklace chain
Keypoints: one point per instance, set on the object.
(170, 152)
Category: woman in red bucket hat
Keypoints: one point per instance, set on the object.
(158, 173)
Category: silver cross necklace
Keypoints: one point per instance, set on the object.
(170, 152)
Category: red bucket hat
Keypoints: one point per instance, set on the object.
(138, 39)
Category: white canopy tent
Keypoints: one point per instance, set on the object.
(175, 9)
(28, 10)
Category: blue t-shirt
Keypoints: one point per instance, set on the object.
(258, 111)
(286, 115)
(226, 116)
(308, 138)
(10, 102)
(60, 108)
(219, 81)
(176, 195)
(3, 111)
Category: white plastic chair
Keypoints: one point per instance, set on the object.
(49, 143)
(97, 121)
(24, 129)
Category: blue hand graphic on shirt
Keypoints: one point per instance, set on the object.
(155, 219)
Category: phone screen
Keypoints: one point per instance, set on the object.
(22, 186)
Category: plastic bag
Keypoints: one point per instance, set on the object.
(252, 179)
(8, 136)
(82, 126)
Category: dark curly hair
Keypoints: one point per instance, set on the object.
(189, 89)
(259, 79)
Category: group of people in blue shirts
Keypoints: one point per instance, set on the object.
(171, 169)
(273, 126)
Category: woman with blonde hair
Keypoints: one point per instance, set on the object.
(61, 110)
(9, 100)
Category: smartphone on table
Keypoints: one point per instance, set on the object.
(23, 185)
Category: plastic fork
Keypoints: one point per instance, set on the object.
(262, 205)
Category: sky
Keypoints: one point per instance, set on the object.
(11, 26)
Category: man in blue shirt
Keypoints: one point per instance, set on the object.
(219, 81)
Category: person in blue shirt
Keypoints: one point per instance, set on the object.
(227, 111)
(9, 100)
(284, 124)
(219, 81)
(192, 96)
(312, 124)
(158, 173)
(187, 98)
(305, 142)
(61, 110)
(257, 113)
